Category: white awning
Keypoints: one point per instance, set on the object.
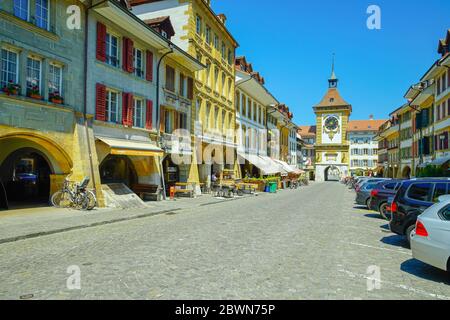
(285, 166)
(131, 147)
(265, 166)
(271, 167)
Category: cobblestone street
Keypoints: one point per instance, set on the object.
(311, 243)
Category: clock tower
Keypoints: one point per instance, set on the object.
(332, 147)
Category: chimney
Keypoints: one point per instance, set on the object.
(222, 17)
(371, 117)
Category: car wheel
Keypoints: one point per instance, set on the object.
(384, 211)
(408, 232)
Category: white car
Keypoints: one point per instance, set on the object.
(430, 241)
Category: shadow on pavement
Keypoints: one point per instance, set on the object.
(359, 207)
(425, 271)
(385, 227)
(373, 216)
(396, 240)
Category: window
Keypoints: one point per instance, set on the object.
(33, 74)
(9, 67)
(216, 117)
(230, 57)
(112, 50)
(216, 41)
(197, 110)
(440, 189)
(390, 186)
(198, 25)
(207, 115)
(21, 9)
(216, 78)
(223, 83)
(55, 79)
(182, 85)
(167, 121)
(224, 49)
(164, 34)
(138, 113)
(42, 16)
(138, 62)
(445, 213)
(208, 74)
(420, 191)
(208, 35)
(170, 78)
(112, 106)
(183, 120)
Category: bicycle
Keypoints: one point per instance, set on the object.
(78, 197)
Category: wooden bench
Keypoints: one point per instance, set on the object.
(148, 191)
(182, 188)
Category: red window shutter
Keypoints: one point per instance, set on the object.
(149, 66)
(125, 101)
(127, 55)
(100, 102)
(149, 115)
(162, 126)
(130, 109)
(190, 88)
(101, 42)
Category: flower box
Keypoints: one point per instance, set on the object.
(35, 96)
(57, 101)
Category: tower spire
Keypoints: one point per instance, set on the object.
(333, 81)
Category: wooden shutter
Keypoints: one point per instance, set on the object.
(149, 115)
(190, 88)
(100, 102)
(125, 108)
(127, 54)
(149, 66)
(162, 126)
(101, 42)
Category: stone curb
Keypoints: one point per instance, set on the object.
(84, 226)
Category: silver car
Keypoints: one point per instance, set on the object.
(430, 241)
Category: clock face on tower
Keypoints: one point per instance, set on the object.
(332, 123)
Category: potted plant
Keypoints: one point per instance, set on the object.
(56, 97)
(34, 93)
(12, 88)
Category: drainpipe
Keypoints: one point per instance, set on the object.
(158, 118)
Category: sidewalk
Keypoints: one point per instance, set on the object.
(30, 223)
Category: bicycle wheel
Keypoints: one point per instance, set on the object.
(60, 199)
(90, 201)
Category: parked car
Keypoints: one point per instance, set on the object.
(412, 199)
(430, 241)
(363, 193)
(380, 195)
(370, 180)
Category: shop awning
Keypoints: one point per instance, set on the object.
(440, 161)
(260, 163)
(285, 166)
(131, 147)
(271, 167)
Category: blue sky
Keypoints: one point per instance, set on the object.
(291, 43)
